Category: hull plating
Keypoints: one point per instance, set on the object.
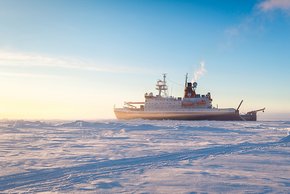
(217, 115)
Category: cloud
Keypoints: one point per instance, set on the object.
(235, 33)
(20, 59)
(27, 75)
(255, 23)
(269, 5)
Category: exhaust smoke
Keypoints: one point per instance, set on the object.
(200, 72)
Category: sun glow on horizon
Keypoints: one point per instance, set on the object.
(56, 64)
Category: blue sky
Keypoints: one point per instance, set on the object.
(76, 59)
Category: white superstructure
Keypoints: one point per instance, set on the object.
(192, 106)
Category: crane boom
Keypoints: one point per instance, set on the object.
(255, 111)
(240, 104)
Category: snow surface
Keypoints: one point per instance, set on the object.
(145, 157)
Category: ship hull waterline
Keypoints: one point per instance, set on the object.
(182, 115)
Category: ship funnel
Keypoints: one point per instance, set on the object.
(189, 91)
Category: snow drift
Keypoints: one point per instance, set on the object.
(144, 156)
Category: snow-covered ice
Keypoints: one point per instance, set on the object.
(141, 156)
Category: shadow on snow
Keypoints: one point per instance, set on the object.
(35, 179)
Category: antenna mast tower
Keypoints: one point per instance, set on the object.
(161, 86)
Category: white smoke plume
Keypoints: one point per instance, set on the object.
(200, 72)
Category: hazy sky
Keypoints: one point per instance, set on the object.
(75, 59)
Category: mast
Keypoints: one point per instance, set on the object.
(161, 86)
(185, 83)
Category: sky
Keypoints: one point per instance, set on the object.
(77, 59)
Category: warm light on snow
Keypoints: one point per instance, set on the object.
(144, 156)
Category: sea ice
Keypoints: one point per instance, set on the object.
(141, 156)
